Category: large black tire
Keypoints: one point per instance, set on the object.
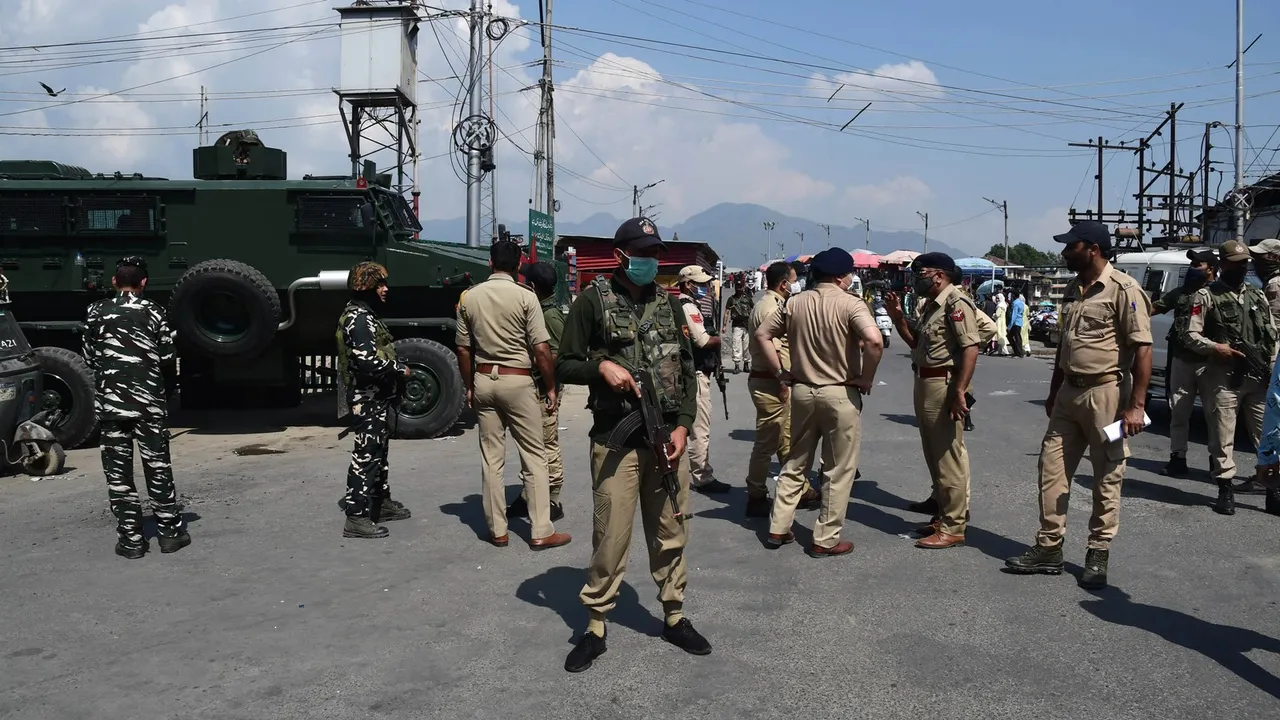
(225, 308)
(68, 385)
(434, 396)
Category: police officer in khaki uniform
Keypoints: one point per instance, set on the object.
(618, 326)
(1225, 316)
(706, 351)
(771, 398)
(541, 278)
(506, 323)
(1266, 260)
(835, 349)
(1100, 376)
(1185, 379)
(944, 352)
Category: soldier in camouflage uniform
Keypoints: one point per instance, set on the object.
(369, 375)
(127, 344)
(737, 313)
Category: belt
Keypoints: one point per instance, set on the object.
(934, 372)
(762, 375)
(487, 368)
(1086, 381)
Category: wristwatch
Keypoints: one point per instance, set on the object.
(779, 374)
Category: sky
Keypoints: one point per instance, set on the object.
(721, 100)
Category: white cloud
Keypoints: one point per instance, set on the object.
(910, 81)
(900, 191)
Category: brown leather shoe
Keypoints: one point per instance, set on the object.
(553, 540)
(940, 541)
(780, 540)
(499, 541)
(840, 548)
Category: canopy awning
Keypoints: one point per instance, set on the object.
(899, 257)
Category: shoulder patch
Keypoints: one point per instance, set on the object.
(1196, 309)
(696, 316)
(957, 315)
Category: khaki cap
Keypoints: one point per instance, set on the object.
(694, 273)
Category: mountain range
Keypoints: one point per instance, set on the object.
(734, 230)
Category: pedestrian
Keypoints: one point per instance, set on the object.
(944, 352)
(368, 381)
(510, 337)
(1002, 325)
(831, 373)
(692, 284)
(737, 314)
(129, 348)
(1267, 472)
(770, 397)
(541, 277)
(1229, 322)
(1017, 318)
(1100, 376)
(618, 326)
(1185, 378)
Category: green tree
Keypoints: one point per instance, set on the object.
(1027, 256)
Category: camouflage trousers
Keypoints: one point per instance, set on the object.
(152, 435)
(367, 475)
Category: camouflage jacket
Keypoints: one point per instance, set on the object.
(367, 366)
(127, 343)
(739, 308)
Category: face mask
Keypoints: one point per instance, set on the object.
(1196, 277)
(795, 288)
(923, 285)
(642, 271)
(1234, 276)
(700, 291)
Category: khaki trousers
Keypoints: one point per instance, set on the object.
(620, 480)
(832, 414)
(1186, 382)
(1079, 414)
(739, 342)
(1226, 404)
(773, 433)
(942, 440)
(555, 464)
(502, 402)
(700, 439)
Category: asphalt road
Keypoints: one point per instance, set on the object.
(272, 614)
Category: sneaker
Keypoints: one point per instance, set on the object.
(1038, 559)
(131, 552)
(174, 544)
(1094, 576)
(683, 636)
(715, 487)
(590, 647)
(363, 528)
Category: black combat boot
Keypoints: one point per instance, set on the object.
(1273, 502)
(363, 528)
(968, 424)
(175, 543)
(1038, 559)
(392, 510)
(131, 552)
(1177, 466)
(1094, 576)
(759, 507)
(1226, 504)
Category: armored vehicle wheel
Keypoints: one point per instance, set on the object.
(225, 308)
(433, 396)
(68, 386)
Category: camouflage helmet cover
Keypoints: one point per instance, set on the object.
(366, 276)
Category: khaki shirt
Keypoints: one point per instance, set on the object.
(698, 334)
(768, 306)
(824, 328)
(504, 318)
(1202, 339)
(946, 326)
(1103, 325)
(1272, 289)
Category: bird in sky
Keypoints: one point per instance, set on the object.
(51, 91)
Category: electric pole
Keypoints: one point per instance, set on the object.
(474, 174)
(801, 241)
(867, 224)
(488, 189)
(1238, 198)
(1004, 208)
(769, 225)
(636, 192)
(828, 229)
(925, 217)
(544, 173)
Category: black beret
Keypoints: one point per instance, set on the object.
(935, 261)
(1203, 256)
(638, 233)
(539, 274)
(832, 262)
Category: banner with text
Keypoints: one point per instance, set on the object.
(542, 236)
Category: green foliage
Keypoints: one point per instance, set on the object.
(1027, 256)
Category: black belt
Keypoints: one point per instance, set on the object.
(1087, 381)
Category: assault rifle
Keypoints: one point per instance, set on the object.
(721, 380)
(647, 415)
(1255, 364)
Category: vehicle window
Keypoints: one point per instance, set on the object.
(330, 213)
(1154, 281)
(12, 343)
(111, 214)
(32, 215)
(402, 210)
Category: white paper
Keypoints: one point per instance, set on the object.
(1113, 433)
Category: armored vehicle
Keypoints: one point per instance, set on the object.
(251, 266)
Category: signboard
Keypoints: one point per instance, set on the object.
(542, 236)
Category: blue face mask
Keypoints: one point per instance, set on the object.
(700, 291)
(642, 271)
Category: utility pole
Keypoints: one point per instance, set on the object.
(488, 189)
(769, 225)
(867, 224)
(925, 216)
(203, 126)
(1004, 208)
(544, 171)
(636, 192)
(1238, 198)
(801, 241)
(828, 229)
(474, 175)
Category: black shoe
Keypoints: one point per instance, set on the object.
(590, 647)
(1177, 467)
(715, 487)
(1094, 576)
(968, 424)
(683, 636)
(857, 475)
(518, 508)
(363, 528)
(1038, 559)
(131, 552)
(759, 507)
(392, 510)
(1226, 504)
(557, 511)
(1273, 502)
(924, 507)
(174, 544)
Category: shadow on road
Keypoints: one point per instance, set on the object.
(557, 589)
(900, 419)
(471, 513)
(1224, 644)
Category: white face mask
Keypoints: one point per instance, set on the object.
(796, 287)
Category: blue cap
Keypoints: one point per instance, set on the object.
(832, 262)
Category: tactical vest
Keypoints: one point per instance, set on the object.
(704, 360)
(1227, 320)
(381, 338)
(648, 344)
